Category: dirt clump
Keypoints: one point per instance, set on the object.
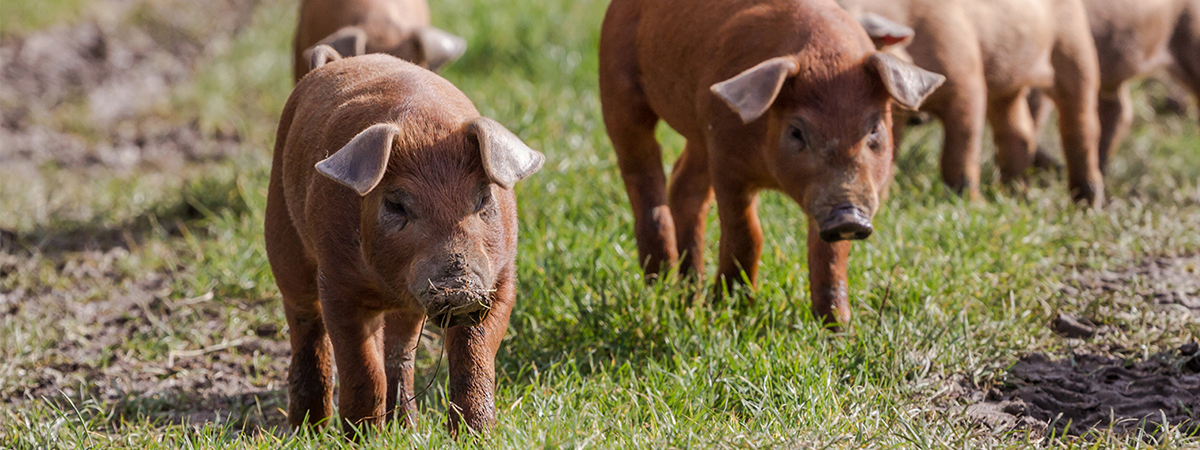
(1083, 392)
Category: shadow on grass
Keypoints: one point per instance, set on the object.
(172, 216)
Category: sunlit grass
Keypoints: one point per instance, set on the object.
(593, 356)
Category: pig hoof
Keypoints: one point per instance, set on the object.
(1087, 193)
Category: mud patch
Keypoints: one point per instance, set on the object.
(94, 93)
(92, 332)
(1084, 393)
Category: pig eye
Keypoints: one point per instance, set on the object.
(878, 137)
(395, 205)
(794, 138)
(484, 200)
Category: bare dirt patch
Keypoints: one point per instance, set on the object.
(94, 93)
(95, 333)
(1173, 282)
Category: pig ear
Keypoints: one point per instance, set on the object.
(907, 83)
(751, 92)
(439, 47)
(319, 55)
(883, 32)
(506, 159)
(361, 163)
(348, 41)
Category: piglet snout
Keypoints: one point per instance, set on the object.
(460, 300)
(846, 222)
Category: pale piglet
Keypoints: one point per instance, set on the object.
(390, 206)
(1134, 38)
(789, 95)
(992, 54)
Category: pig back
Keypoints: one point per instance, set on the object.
(684, 47)
(335, 102)
(386, 22)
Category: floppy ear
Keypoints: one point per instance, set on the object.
(506, 159)
(906, 83)
(319, 55)
(439, 47)
(348, 41)
(884, 32)
(751, 92)
(361, 163)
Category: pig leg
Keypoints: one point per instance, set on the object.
(630, 122)
(1185, 47)
(741, 234)
(690, 195)
(1013, 127)
(401, 331)
(357, 336)
(1040, 108)
(471, 351)
(1075, 91)
(827, 278)
(310, 374)
(962, 117)
(1116, 115)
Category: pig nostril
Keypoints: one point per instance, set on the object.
(846, 222)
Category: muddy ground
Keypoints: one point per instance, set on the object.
(92, 94)
(1099, 384)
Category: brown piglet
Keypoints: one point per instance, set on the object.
(356, 27)
(770, 94)
(390, 205)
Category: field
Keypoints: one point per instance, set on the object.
(137, 309)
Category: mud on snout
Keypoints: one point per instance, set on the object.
(455, 301)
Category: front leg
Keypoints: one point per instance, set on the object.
(472, 354)
(401, 331)
(357, 337)
(741, 234)
(827, 278)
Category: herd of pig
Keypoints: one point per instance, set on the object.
(391, 199)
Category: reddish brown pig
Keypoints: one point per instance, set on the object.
(993, 53)
(355, 27)
(1133, 38)
(770, 94)
(391, 201)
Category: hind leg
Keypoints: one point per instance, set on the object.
(1116, 115)
(962, 115)
(691, 194)
(1013, 127)
(630, 123)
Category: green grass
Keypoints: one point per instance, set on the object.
(17, 17)
(594, 357)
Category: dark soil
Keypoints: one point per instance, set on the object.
(1103, 385)
(1082, 392)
